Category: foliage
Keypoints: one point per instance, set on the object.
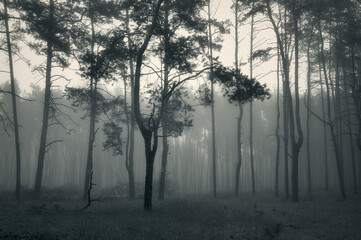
(238, 87)
(112, 128)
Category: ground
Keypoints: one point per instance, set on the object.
(188, 217)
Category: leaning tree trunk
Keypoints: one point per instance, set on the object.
(46, 108)
(13, 96)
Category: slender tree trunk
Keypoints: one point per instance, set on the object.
(45, 121)
(239, 147)
(164, 162)
(349, 128)
(296, 143)
(239, 119)
(132, 117)
(286, 90)
(92, 116)
(214, 169)
(331, 125)
(164, 119)
(278, 125)
(308, 126)
(13, 97)
(324, 124)
(356, 100)
(251, 107)
(128, 117)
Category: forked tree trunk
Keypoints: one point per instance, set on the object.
(45, 120)
(13, 97)
(149, 156)
(147, 131)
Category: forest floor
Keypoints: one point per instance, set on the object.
(193, 217)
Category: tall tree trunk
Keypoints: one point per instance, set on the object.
(286, 90)
(13, 97)
(164, 119)
(92, 116)
(128, 119)
(45, 120)
(356, 100)
(163, 170)
(239, 147)
(308, 123)
(251, 106)
(132, 117)
(349, 128)
(277, 125)
(239, 119)
(149, 155)
(296, 143)
(330, 124)
(214, 169)
(324, 124)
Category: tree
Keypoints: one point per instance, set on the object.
(14, 107)
(100, 54)
(239, 89)
(148, 127)
(49, 24)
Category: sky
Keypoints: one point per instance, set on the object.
(221, 10)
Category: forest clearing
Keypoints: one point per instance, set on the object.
(194, 217)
